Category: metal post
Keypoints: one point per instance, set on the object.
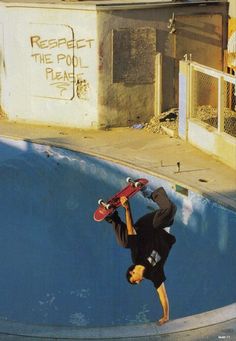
(220, 104)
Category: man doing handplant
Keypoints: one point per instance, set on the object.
(149, 241)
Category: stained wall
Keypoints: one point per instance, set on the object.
(128, 43)
(49, 65)
(91, 65)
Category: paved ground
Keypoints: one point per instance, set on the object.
(158, 155)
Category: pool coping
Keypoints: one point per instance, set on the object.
(130, 331)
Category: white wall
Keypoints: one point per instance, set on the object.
(50, 65)
(201, 135)
(222, 146)
(232, 8)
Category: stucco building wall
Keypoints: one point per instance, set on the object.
(197, 32)
(49, 65)
(93, 64)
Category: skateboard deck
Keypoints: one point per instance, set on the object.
(106, 208)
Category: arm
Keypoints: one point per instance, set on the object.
(164, 303)
(128, 216)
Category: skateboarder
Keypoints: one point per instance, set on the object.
(149, 242)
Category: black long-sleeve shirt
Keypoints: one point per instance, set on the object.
(152, 244)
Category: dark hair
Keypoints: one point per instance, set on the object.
(128, 275)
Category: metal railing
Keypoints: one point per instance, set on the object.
(213, 98)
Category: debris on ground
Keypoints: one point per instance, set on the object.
(209, 115)
(3, 115)
(165, 123)
(205, 113)
(138, 125)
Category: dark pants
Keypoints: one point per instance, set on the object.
(161, 218)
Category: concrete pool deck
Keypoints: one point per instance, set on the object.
(158, 155)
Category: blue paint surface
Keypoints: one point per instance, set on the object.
(60, 267)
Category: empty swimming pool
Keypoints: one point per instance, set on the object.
(59, 267)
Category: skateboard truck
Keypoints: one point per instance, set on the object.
(134, 183)
(104, 204)
(130, 181)
(108, 207)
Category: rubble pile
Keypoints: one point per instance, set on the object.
(206, 113)
(3, 116)
(230, 121)
(154, 125)
(168, 119)
(209, 115)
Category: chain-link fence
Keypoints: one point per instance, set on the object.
(214, 99)
(230, 108)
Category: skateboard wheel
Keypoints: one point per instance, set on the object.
(129, 180)
(102, 203)
(137, 184)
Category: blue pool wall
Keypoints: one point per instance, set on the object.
(59, 267)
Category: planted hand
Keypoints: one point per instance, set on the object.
(163, 320)
(124, 202)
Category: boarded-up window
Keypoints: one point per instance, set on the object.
(134, 53)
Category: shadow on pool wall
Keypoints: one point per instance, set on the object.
(62, 268)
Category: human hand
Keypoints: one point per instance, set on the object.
(163, 320)
(124, 202)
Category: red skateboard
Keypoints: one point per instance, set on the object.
(107, 208)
